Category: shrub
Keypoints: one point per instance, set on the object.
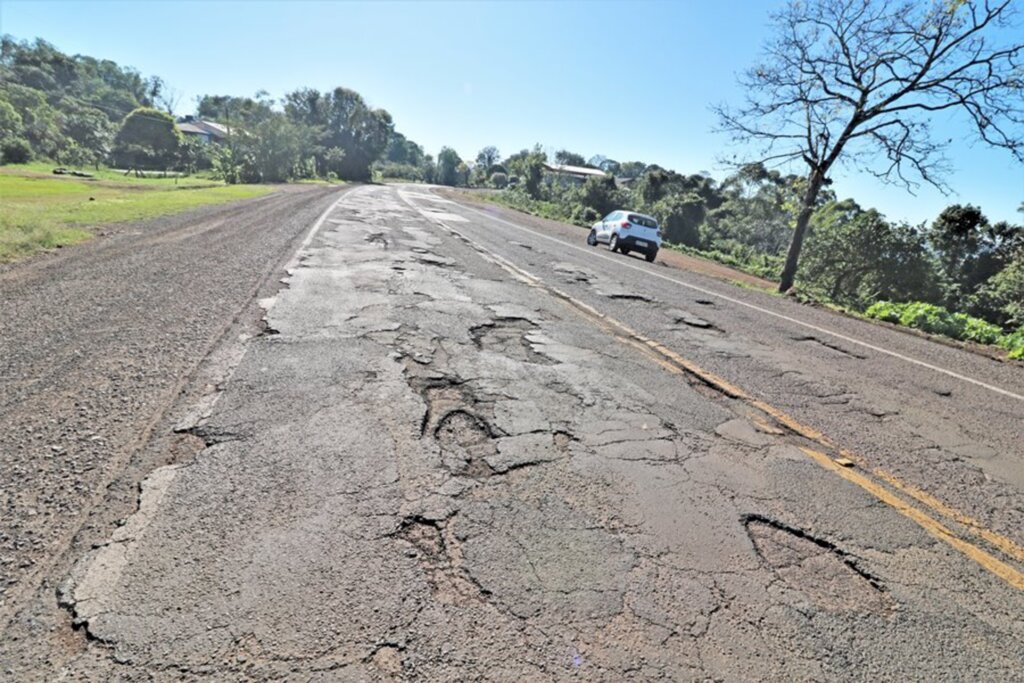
(1014, 343)
(938, 320)
(15, 151)
(884, 310)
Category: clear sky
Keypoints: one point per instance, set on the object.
(630, 80)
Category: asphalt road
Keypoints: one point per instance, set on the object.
(97, 344)
(469, 447)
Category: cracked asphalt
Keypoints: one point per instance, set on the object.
(461, 449)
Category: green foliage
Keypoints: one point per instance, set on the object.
(342, 120)
(937, 320)
(528, 167)
(389, 169)
(598, 193)
(567, 158)
(147, 139)
(448, 167)
(241, 112)
(854, 257)
(1002, 295)
(403, 152)
(15, 151)
(1014, 343)
(681, 217)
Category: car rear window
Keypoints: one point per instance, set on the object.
(643, 220)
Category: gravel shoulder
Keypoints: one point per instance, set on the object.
(98, 342)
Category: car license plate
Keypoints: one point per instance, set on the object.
(641, 243)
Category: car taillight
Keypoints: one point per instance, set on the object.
(625, 225)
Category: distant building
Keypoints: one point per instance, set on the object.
(575, 175)
(207, 131)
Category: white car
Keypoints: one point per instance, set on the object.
(626, 231)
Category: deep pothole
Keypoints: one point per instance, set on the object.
(817, 568)
(508, 336)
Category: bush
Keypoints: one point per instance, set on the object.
(937, 320)
(15, 151)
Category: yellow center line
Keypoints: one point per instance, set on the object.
(1001, 569)
(677, 364)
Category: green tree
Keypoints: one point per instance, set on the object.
(448, 163)
(343, 121)
(567, 158)
(971, 250)
(856, 257)
(1001, 298)
(148, 138)
(528, 166)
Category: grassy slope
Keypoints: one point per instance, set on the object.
(44, 211)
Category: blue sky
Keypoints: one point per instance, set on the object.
(630, 80)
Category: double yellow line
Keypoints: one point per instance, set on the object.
(883, 485)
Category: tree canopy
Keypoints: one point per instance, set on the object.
(857, 82)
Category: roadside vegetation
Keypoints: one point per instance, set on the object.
(43, 211)
(817, 100)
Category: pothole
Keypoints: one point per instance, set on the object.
(507, 336)
(829, 577)
(466, 442)
(434, 544)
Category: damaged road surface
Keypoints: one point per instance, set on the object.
(435, 469)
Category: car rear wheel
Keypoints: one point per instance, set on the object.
(650, 256)
(613, 243)
(592, 239)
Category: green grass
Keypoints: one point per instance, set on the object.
(44, 211)
(152, 179)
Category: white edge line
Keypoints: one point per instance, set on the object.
(316, 228)
(739, 302)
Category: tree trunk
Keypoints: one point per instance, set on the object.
(814, 182)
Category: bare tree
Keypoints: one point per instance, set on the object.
(856, 81)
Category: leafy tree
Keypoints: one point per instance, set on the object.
(856, 257)
(488, 157)
(568, 158)
(10, 120)
(148, 138)
(857, 82)
(970, 249)
(632, 169)
(277, 145)
(243, 112)
(1001, 298)
(528, 167)
(448, 163)
(681, 216)
(91, 131)
(343, 121)
(15, 151)
(600, 194)
(401, 150)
